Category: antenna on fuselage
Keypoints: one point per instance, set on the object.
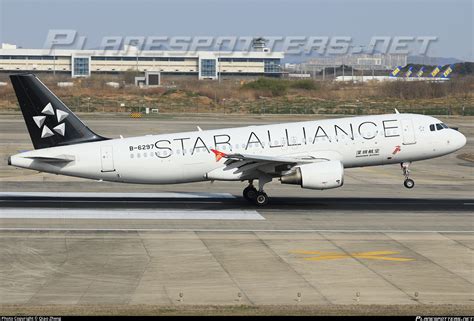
(396, 111)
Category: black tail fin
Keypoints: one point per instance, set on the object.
(49, 121)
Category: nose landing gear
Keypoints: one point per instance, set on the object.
(408, 183)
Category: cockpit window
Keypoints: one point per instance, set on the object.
(438, 126)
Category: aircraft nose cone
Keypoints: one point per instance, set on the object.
(462, 140)
(459, 140)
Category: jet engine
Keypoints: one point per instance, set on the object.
(320, 175)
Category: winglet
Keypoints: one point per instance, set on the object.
(218, 154)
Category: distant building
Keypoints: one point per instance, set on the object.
(387, 78)
(201, 64)
(358, 61)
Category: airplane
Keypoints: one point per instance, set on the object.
(312, 154)
(447, 72)
(395, 71)
(409, 72)
(420, 72)
(435, 71)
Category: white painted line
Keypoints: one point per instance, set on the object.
(129, 214)
(128, 201)
(63, 229)
(118, 195)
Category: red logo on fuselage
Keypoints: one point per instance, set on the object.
(396, 150)
(218, 154)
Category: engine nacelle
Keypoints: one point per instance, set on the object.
(320, 175)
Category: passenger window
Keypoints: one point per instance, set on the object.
(432, 127)
(439, 127)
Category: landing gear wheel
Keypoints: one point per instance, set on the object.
(250, 193)
(261, 199)
(409, 183)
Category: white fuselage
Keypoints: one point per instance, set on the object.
(187, 157)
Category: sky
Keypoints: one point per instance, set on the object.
(26, 22)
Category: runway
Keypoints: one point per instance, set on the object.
(72, 242)
(135, 211)
(76, 249)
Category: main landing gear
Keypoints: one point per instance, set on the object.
(258, 197)
(250, 192)
(409, 183)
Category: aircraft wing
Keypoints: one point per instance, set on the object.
(245, 165)
(267, 159)
(263, 159)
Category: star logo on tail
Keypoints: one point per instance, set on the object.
(48, 110)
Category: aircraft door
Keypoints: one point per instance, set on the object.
(408, 132)
(107, 159)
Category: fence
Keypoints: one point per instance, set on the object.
(258, 107)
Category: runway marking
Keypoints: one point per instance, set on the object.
(130, 214)
(118, 195)
(374, 255)
(65, 229)
(128, 201)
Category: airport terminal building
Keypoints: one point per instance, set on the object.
(84, 63)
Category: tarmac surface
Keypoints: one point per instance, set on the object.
(370, 242)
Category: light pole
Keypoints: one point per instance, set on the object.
(136, 54)
(219, 63)
(361, 65)
(352, 62)
(343, 61)
(54, 58)
(362, 69)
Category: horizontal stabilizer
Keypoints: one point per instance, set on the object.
(58, 159)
